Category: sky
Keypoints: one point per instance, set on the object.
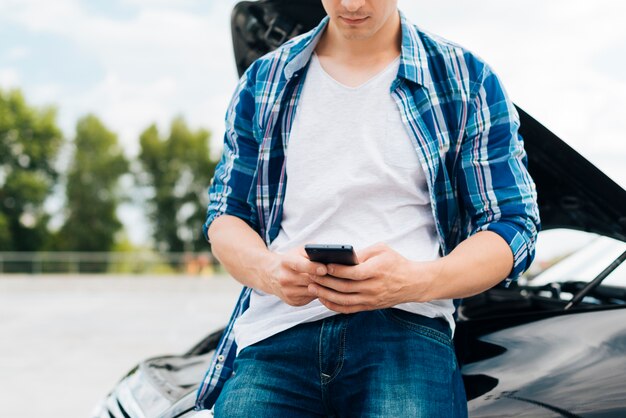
(135, 62)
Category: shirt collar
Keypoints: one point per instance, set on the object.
(413, 56)
(302, 50)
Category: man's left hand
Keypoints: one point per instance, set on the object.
(382, 279)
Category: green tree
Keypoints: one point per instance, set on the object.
(29, 143)
(176, 171)
(92, 189)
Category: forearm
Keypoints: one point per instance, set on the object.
(240, 250)
(477, 264)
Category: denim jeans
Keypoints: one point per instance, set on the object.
(385, 363)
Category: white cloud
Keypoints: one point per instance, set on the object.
(17, 53)
(40, 15)
(176, 4)
(45, 93)
(9, 78)
(125, 107)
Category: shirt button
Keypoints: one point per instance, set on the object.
(218, 367)
(220, 358)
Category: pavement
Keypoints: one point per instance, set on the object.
(66, 341)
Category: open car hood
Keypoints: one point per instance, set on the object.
(572, 192)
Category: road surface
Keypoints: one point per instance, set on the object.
(66, 341)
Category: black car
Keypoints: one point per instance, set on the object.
(545, 348)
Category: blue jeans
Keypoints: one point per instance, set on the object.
(385, 363)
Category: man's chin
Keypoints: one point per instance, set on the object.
(352, 34)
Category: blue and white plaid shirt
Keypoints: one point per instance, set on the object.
(465, 132)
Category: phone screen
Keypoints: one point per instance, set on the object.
(332, 254)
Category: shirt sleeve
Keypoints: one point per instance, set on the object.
(231, 190)
(495, 187)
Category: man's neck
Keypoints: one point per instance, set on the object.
(381, 47)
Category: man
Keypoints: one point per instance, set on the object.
(399, 143)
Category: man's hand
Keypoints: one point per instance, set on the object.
(288, 276)
(383, 279)
(243, 253)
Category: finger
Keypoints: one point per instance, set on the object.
(366, 253)
(340, 285)
(288, 279)
(299, 290)
(359, 272)
(345, 309)
(298, 300)
(302, 264)
(301, 251)
(336, 297)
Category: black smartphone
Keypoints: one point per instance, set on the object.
(331, 254)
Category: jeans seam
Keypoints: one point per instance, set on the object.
(342, 344)
(323, 389)
(424, 330)
(342, 347)
(319, 352)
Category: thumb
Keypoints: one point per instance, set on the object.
(366, 253)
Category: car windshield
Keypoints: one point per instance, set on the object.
(586, 264)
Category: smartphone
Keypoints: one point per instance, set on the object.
(331, 254)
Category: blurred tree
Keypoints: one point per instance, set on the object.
(29, 143)
(177, 171)
(92, 189)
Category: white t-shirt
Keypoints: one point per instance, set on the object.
(353, 177)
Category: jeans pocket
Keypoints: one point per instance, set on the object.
(435, 329)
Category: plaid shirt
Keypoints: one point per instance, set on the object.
(465, 132)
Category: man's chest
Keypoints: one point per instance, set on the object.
(350, 138)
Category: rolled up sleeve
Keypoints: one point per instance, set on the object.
(231, 190)
(496, 189)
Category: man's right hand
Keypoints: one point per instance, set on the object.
(288, 276)
(243, 253)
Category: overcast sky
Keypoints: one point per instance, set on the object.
(134, 62)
